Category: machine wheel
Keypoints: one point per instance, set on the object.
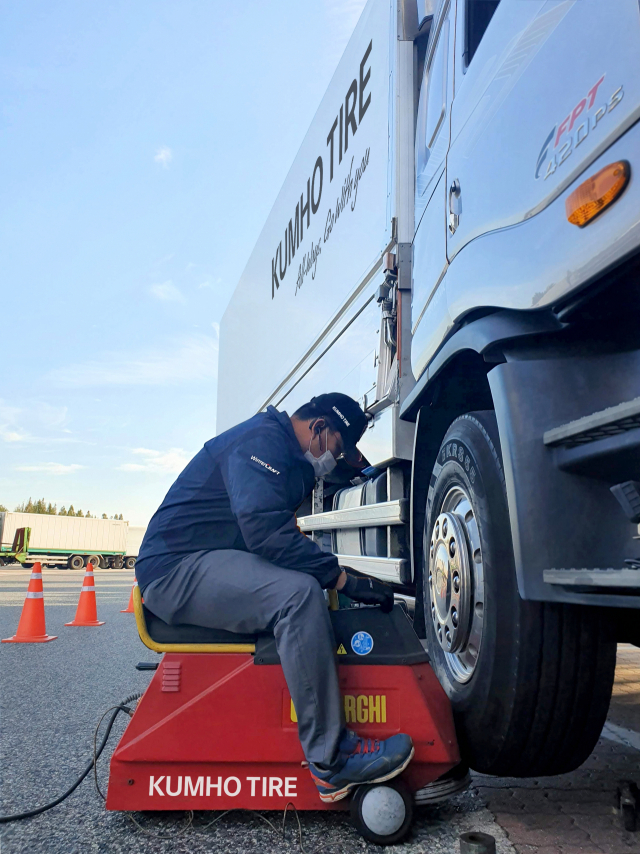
(382, 812)
(76, 562)
(94, 559)
(130, 562)
(529, 682)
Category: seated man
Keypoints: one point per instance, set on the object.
(224, 551)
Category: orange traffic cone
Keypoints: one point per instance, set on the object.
(129, 609)
(87, 613)
(31, 628)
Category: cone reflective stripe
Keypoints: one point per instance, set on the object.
(31, 627)
(129, 609)
(87, 611)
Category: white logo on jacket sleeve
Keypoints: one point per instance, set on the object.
(265, 465)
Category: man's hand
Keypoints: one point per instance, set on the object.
(369, 591)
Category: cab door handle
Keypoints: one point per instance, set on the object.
(455, 206)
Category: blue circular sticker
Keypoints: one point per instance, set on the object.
(362, 643)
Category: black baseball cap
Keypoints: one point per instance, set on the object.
(348, 416)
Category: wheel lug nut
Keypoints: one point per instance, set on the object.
(452, 548)
(456, 582)
(454, 618)
(437, 529)
(445, 528)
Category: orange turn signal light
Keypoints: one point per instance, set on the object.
(597, 193)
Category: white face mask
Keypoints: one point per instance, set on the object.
(323, 464)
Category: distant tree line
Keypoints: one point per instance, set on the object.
(49, 509)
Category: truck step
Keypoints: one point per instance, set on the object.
(626, 578)
(609, 422)
(368, 516)
(392, 569)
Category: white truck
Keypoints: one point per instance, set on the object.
(71, 541)
(456, 247)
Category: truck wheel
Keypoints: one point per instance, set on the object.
(76, 562)
(529, 682)
(130, 562)
(118, 563)
(93, 559)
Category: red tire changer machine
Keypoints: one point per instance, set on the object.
(216, 728)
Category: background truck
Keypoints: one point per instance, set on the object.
(456, 247)
(72, 541)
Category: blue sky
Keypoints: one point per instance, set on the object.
(142, 146)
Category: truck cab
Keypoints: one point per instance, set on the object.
(480, 300)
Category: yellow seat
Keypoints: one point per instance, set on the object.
(244, 644)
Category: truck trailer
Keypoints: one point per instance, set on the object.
(71, 541)
(456, 247)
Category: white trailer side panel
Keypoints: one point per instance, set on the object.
(66, 533)
(308, 261)
(135, 533)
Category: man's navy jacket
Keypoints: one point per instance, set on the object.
(239, 492)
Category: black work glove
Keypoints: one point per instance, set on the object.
(369, 591)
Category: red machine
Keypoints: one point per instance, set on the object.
(216, 728)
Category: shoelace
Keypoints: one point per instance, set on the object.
(365, 746)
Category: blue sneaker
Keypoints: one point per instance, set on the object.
(362, 760)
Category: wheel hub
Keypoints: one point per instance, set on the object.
(449, 582)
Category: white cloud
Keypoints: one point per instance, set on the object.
(193, 359)
(164, 156)
(208, 283)
(167, 292)
(51, 468)
(13, 436)
(171, 461)
(8, 414)
(50, 416)
(33, 410)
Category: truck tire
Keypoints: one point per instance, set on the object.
(118, 562)
(529, 682)
(76, 562)
(93, 559)
(129, 562)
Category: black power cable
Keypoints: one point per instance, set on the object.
(121, 707)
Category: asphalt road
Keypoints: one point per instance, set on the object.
(53, 695)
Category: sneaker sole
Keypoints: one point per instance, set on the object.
(342, 793)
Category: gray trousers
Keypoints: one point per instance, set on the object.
(243, 593)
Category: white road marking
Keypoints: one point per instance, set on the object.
(621, 735)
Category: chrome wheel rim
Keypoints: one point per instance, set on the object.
(455, 583)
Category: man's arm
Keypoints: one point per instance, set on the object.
(256, 476)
